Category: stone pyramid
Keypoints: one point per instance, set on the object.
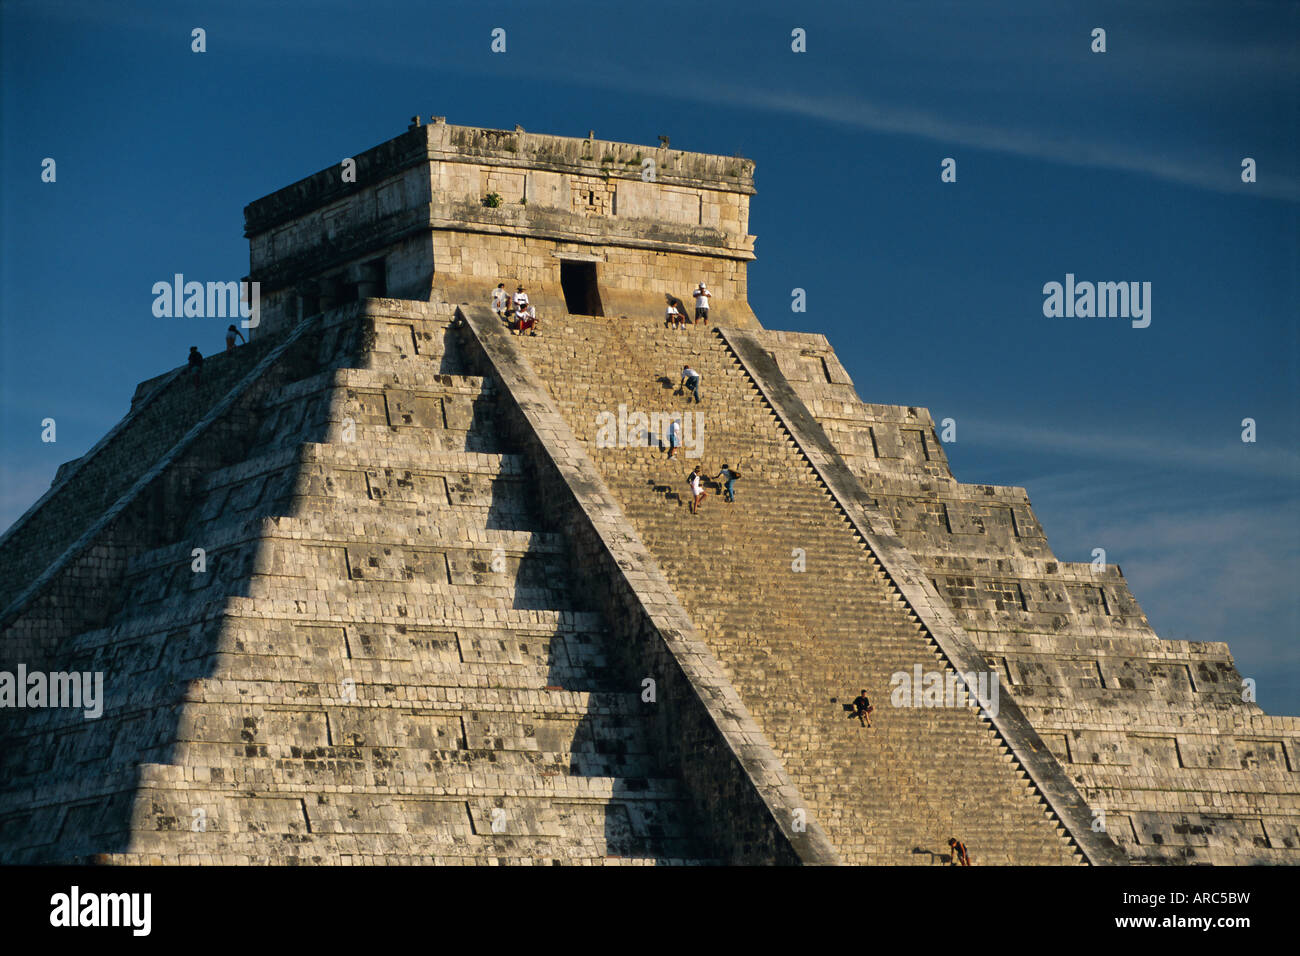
(392, 585)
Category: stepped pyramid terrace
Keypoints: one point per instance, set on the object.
(382, 589)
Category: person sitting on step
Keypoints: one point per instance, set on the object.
(675, 317)
(500, 300)
(861, 708)
(672, 318)
(527, 321)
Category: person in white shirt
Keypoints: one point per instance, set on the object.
(675, 317)
(702, 296)
(521, 299)
(691, 381)
(674, 437)
(527, 321)
(500, 299)
(696, 482)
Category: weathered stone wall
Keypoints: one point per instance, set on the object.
(390, 656)
(701, 725)
(86, 487)
(369, 499)
(1155, 733)
(921, 596)
(64, 559)
(797, 611)
(469, 266)
(417, 218)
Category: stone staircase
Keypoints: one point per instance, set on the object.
(387, 659)
(162, 411)
(1174, 758)
(891, 794)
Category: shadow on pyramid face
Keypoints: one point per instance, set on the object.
(352, 605)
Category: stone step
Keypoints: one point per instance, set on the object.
(583, 823)
(374, 660)
(343, 456)
(444, 856)
(726, 562)
(281, 541)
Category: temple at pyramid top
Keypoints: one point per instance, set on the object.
(588, 226)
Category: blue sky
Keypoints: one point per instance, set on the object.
(1122, 166)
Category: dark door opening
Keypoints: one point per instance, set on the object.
(373, 283)
(578, 280)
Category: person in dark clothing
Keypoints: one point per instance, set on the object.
(728, 478)
(957, 853)
(862, 709)
(196, 365)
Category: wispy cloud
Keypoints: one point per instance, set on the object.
(1203, 568)
(1256, 459)
(1049, 145)
(840, 101)
(1227, 576)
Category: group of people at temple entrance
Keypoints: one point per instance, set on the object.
(518, 313)
(675, 314)
(515, 310)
